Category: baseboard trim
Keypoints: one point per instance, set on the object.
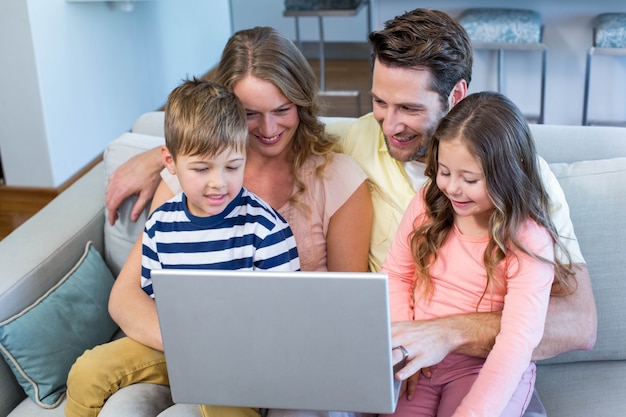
(21, 193)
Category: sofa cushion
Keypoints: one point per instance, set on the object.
(565, 389)
(119, 238)
(150, 123)
(596, 194)
(41, 343)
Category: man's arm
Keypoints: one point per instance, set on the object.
(139, 175)
(429, 341)
(572, 320)
(571, 324)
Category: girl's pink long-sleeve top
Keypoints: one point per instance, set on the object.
(459, 278)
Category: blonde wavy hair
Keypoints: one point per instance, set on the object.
(270, 56)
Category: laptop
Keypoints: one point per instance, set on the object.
(280, 340)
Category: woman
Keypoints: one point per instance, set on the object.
(291, 164)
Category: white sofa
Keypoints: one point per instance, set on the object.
(590, 163)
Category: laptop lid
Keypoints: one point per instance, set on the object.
(301, 340)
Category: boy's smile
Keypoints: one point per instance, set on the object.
(209, 182)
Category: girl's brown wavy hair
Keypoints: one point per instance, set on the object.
(497, 134)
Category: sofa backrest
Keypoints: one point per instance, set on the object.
(578, 143)
(590, 164)
(554, 143)
(596, 195)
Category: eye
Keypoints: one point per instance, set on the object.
(412, 110)
(378, 102)
(200, 169)
(283, 110)
(443, 173)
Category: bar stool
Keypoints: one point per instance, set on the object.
(507, 29)
(609, 38)
(321, 9)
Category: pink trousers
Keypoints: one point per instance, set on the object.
(451, 380)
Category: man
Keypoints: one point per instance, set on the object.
(422, 63)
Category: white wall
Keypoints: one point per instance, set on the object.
(77, 74)
(567, 32)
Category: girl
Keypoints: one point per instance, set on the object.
(478, 237)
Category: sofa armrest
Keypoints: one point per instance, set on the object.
(120, 237)
(42, 250)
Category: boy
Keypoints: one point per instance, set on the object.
(215, 223)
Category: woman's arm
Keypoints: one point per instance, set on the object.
(131, 308)
(349, 230)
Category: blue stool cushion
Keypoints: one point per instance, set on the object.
(610, 30)
(502, 25)
(321, 4)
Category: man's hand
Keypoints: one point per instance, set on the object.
(427, 343)
(137, 176)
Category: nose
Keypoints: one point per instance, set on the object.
(268, 126)
(216, 180)
(392, 122)
(453, 185)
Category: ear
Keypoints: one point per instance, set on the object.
(168, 160)
(459, 92)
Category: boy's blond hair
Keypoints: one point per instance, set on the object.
(204, 118)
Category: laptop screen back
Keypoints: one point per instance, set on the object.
(302, 340)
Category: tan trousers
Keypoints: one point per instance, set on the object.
(105, 369)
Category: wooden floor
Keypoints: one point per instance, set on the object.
(17, 204)
(343, 78)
